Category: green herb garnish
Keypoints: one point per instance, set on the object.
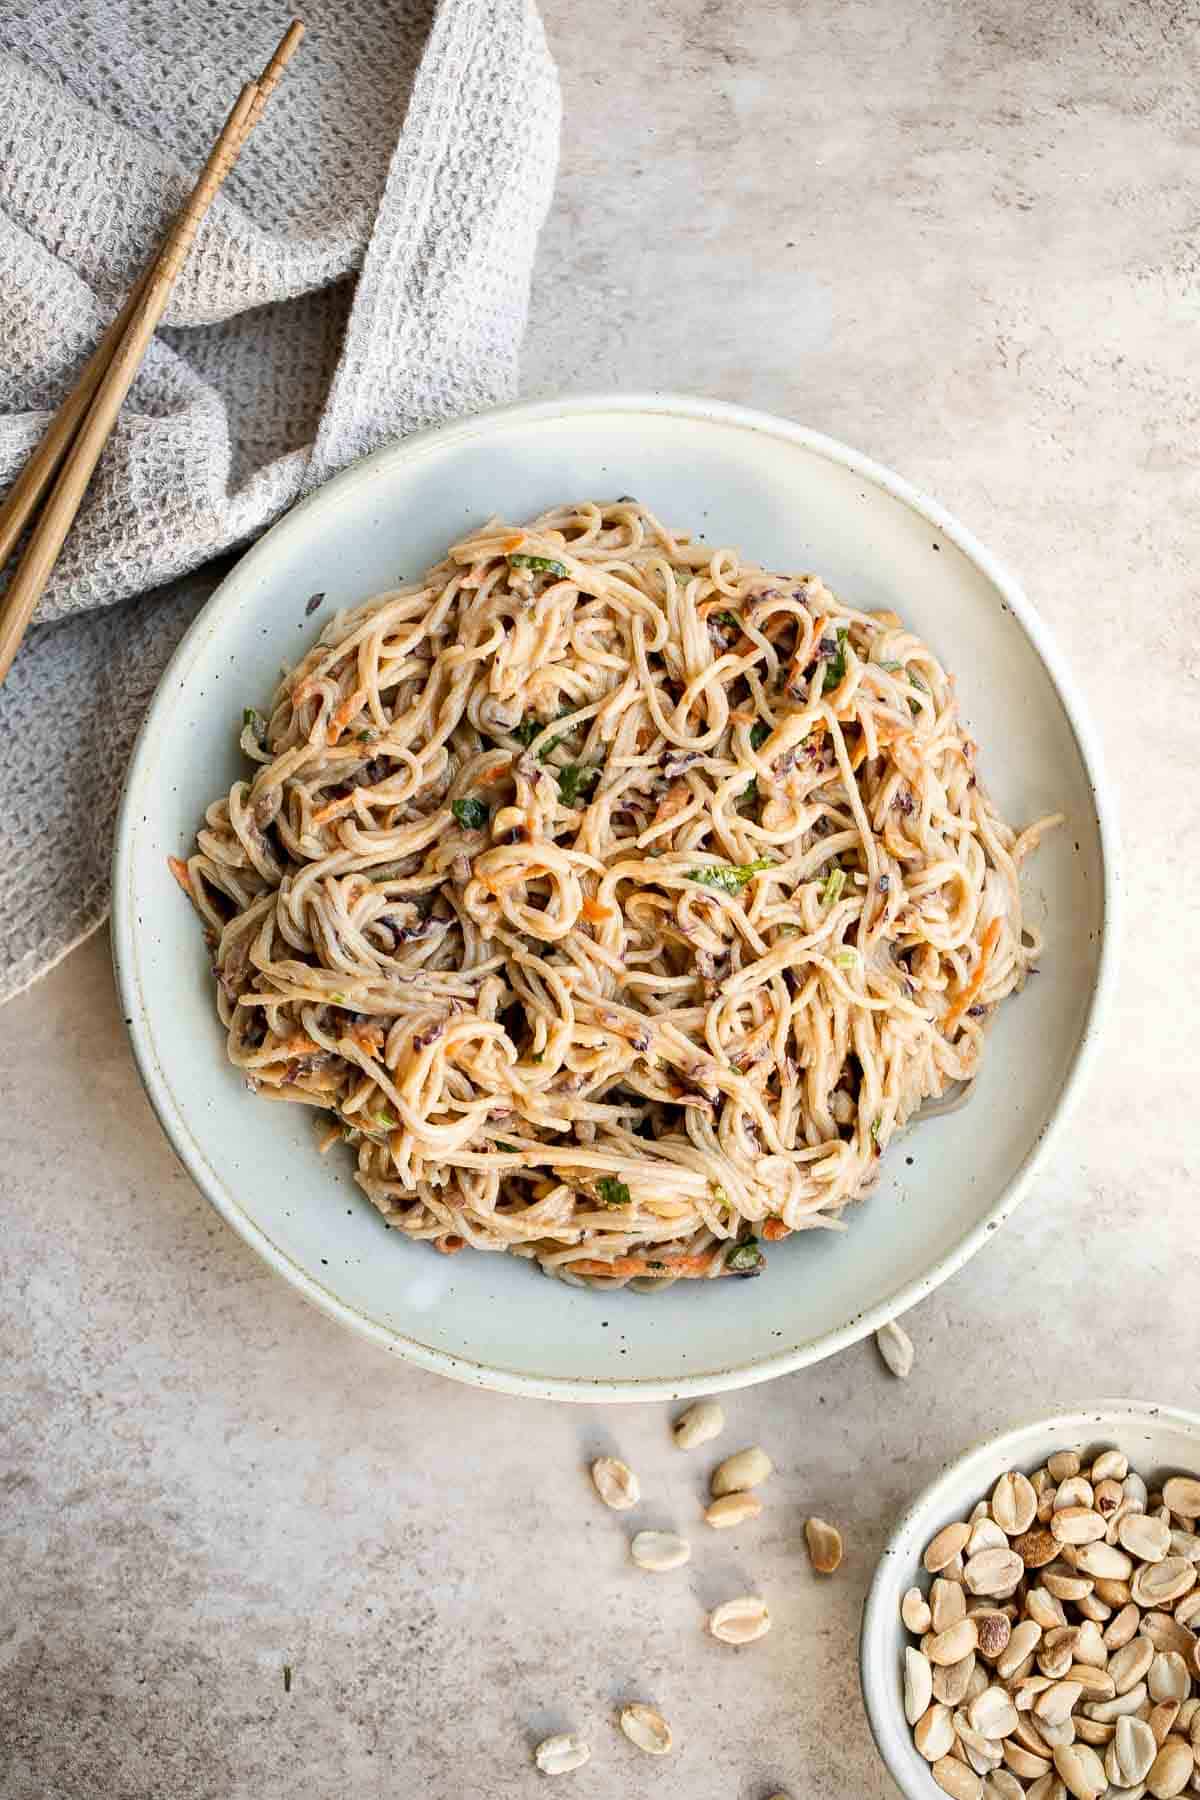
(656, 1265)
(731, 878)
(744, 1256)
(339, 999)
(471, 814)
(760, 731)
(835, 881)
(749, 792)
(540, 565)
(509, 1149)
(846, 959)
(728, 618)
(835, 668)
(254, 719)
(386, 1119)
(612, 1191)
(875, 1124)
(528, 729)
(893, 668)
(720, 1197)
(573, 778)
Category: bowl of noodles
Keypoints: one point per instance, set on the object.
(578, 891)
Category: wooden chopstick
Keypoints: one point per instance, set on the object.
(27, 490)
(81, 427)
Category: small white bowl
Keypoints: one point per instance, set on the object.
(1158, 1440)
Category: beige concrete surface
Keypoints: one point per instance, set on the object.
(964, 239)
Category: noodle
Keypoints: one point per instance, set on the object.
(615, 900)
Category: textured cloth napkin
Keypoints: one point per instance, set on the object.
(414, 143)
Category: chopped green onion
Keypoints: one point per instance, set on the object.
(720, 1197)
(339, 999)
(749, 792)
(656, 1265)
(893, 668)
(744, 1256)
(573, 778)
(875, 1124)
(731, 877)
(835, 670)
(612, 1191)
(728, 618)
(914, 707)
(760, 731)
(917, 682)
(528, 729)
(540, 565)
(258, 725)
(509, 1149)
(846, 959)
(835, 881)
(385, 1118)
(471, 814)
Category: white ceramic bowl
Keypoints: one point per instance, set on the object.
(794, 501)
(1158, 1441)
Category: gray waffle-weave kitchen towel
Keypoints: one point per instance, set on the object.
(414, 142)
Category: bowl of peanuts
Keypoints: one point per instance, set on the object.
(1033, 1627)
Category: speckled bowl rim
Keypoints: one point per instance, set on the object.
(1106, 1418)
(758, 1369)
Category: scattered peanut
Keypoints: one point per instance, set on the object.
(616, 1483)
(748, 1469)
(702, 1421)
(740, 1621)
(896, 1349)
(824, 1545)
(659, 1550)
(732, 1509)
(646, 1728)
(559, 1755)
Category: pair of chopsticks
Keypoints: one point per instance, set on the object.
(71, 448)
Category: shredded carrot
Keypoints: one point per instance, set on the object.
(343, 715)
(774, 1229)
(509, 544)
(180, 871)
(334, 810)
(990, 939)
(593, 911)
(623, 1267)
(497, 772)
(858, 755)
